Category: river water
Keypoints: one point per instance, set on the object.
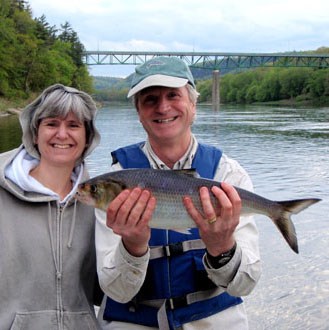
(286, 152)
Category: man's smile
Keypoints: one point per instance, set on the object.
(161, 121)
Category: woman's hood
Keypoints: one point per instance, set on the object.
(14, 169)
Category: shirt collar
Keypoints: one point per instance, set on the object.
(185, 162)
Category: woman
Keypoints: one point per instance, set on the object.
(47, 253)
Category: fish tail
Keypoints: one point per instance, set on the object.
(284, 223)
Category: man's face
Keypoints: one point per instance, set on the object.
(166, 113)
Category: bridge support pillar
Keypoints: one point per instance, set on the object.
(215, 90)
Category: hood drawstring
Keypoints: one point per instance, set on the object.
(69, 243)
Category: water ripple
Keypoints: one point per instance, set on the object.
(286, 153)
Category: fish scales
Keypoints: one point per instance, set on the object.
(169, 187)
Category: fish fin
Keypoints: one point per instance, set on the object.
(298, 205)
(190, 172)
(284, 223)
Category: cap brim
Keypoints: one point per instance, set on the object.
(158, 80)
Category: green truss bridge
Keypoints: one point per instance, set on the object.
(212, 60)
(217, 62)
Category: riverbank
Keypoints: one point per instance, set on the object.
(8, 107)
(11, 111)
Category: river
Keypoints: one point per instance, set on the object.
(286, 152)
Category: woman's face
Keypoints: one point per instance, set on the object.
(61, 141)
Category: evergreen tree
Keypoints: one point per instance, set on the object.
(34, 54)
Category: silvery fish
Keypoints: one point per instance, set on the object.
(169, 187)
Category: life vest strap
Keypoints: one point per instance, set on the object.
(174, 249)
(170, 304)
(183, 301)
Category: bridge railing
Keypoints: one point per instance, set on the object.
(211, 60)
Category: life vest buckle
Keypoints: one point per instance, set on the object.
(173, 249)
(176, 302)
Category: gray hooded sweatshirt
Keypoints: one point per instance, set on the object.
(47, 251)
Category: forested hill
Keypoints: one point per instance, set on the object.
(35, 55)
(264, 84)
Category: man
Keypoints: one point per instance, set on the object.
(161, 278)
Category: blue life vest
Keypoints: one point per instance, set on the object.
(176, 274)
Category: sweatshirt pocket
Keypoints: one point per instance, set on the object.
(50, 320)
(80, 320)
(35, 320)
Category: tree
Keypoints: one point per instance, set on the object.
(66, 32)
(204, 88)
(33, 54)
(7, 41)
(318, 84)
(294, 81)
(45, 33)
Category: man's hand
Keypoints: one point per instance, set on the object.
(128, 215)
(218, 222)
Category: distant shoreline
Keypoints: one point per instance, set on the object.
(10, 111)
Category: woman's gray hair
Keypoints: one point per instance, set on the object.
(58, 101)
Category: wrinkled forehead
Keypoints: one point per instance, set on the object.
(158, 89)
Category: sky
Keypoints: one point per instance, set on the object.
(246, 26)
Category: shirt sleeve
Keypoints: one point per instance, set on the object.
(240, 275)
(120, 274)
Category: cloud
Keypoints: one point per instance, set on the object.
(192, 25)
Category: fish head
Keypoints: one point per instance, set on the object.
(98, 193)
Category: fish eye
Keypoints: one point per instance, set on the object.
(93, 188)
